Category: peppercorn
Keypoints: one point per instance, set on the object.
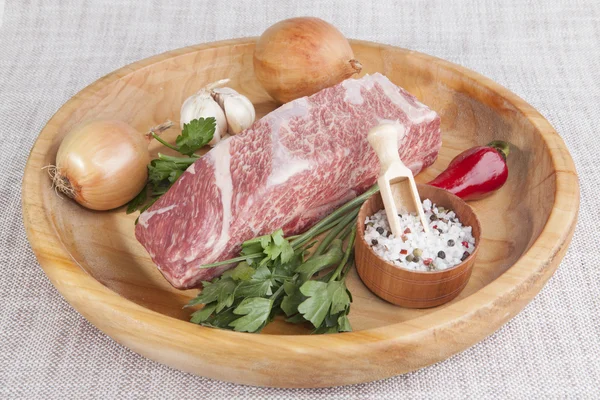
(410, 258)
(374, 242)
(417, 252)
(380, 230)
(433, 217)
(465, 256)
(441, 255)
(450, 243)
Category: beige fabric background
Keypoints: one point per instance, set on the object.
(545, 51)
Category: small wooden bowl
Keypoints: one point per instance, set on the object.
(415, 289)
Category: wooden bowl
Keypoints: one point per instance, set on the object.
(96, 263)
(415, 289)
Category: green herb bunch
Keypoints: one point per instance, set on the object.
(276, 275)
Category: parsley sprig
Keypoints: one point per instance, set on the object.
(165, 170)
(279, 276)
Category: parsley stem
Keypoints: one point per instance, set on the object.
(179, 160)
(347, 253)
(317, 233)
(231, 261)
(164, 143)
(334, 215)
(347, 268)
(343, 223)
(348, 229)
(275, 295)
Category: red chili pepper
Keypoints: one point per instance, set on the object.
(477, 172)
(403, 251)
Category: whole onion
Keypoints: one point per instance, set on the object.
(102, 164)
(299, 56)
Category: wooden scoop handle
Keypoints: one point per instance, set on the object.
(396, 182)
(384, 140)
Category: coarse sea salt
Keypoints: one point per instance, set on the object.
(446, 245)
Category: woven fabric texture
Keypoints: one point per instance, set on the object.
(546, 52)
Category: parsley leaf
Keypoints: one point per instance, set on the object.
(344, 323)
(296, 319)
(195, 135)
(255, 311)
(293, 298)
(243, 272)
(203, 314)
(283, 272)
(220, 320)
(274, 246)
(220, 291)
(138, 200)
(323, 299)
(161, 170)
(279, 247)
(259, 285)
(253, 246)
(317, 263)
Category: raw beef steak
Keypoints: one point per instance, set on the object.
(288, 170)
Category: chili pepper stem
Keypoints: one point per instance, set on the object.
(501, 146)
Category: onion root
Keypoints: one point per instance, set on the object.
(60, 183)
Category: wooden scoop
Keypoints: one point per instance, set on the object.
(396, 181)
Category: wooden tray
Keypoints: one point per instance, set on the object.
(96, 263)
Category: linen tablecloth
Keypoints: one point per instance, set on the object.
(545, 51)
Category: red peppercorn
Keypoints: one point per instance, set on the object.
(427, 261)
(407, 230)
(465, 244)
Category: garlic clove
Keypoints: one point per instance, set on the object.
(240, 114)
(239, 110)
(202, 105)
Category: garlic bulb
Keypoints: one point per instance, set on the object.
(202, 105)
(232, 111)
(239, 111)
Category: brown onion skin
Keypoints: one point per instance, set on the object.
(300, 56)
(110, 175)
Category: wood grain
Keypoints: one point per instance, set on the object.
(415, 289)
(102, 271)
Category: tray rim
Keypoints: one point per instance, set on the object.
(508, 293)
